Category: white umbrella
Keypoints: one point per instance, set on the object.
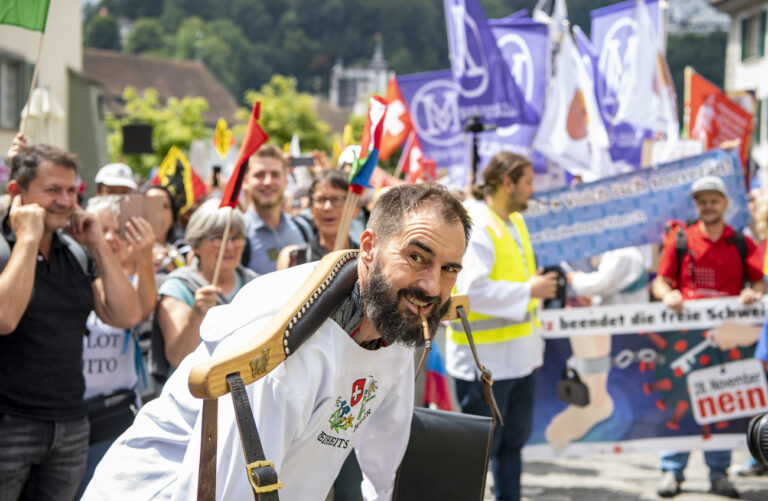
(44, 111)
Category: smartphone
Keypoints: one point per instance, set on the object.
(216, 172)
(301, 161)
(138, 205)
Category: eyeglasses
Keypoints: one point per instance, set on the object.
(237, 241)
(335, 201)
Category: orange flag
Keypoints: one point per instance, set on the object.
(397, 122)
(712, 117)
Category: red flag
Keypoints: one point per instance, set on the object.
(713, 117)
(416, 167)
(397, 122)
(253, 139)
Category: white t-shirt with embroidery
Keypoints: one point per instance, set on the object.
(330, 396)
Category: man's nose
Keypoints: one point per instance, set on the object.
(429, 282)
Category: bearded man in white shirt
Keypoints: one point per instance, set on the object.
(349, 385)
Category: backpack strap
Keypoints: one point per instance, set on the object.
(304, 227)
(740, 241)
(681, 249)
(5, 252)
(76, 249)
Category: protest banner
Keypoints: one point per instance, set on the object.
(486, 87)
(614, 34)
(524, 46)
(433, 100)
(631, 209)
(668, 381)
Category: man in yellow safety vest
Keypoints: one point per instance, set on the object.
(504, 290)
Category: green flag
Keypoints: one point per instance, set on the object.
(30, 14)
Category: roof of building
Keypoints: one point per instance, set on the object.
(170, 77)
(336, 117)
(734, 6)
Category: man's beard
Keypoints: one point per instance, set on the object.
(262, 204)
(381, 305)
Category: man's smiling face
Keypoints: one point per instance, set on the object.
(415, 269)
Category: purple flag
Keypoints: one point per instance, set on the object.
(483, 76)
(433, 100)
(614, 30)
(524, 45)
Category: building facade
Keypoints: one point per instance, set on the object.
(746, 64)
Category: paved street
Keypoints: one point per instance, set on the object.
(624, 477)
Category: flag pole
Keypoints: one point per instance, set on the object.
(223, 247)
(23, 128)
(346, 220)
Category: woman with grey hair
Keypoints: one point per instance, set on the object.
(187, 293)
(110, 354)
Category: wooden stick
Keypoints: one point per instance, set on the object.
(223, 248)
(23, 128)
(346, 220)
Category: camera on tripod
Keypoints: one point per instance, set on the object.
(757, 438)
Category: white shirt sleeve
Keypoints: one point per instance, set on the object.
(382, 445)
(501, 298)
(617, 270)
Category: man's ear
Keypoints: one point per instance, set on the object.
(368, 247)
(13, 188)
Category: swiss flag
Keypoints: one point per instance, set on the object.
(416, 167)
(397, 122)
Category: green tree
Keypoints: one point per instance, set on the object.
(285, 111)
(147, 36)
(178, 123)
(101, 32)
(704, 51)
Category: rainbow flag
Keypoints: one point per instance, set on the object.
(363, 166)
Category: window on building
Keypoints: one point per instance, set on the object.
(753, 35)
(758, 123)
(12, 78)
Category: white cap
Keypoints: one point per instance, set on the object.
(709, 183)
(349, 155)
(117, 174)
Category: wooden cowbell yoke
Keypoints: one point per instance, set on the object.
(330, 282)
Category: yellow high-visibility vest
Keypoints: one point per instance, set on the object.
(512, 264)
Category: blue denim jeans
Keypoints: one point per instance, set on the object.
(41, 459)
(515, 400)
(717, 461)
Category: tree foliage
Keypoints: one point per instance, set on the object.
(285, 111)
(178, 123)
(146, 37)
(102, 33)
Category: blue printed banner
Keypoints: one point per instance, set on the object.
(631, 209)
(676, 382)
(614, 30)
(433, 100)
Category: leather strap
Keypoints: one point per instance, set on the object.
(206, 485)
(485, 375)
(261, 473)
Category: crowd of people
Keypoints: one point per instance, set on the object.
(142, 293)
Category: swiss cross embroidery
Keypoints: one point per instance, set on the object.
(350, 413)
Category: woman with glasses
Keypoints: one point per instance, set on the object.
(327, 195)
(187, 293)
